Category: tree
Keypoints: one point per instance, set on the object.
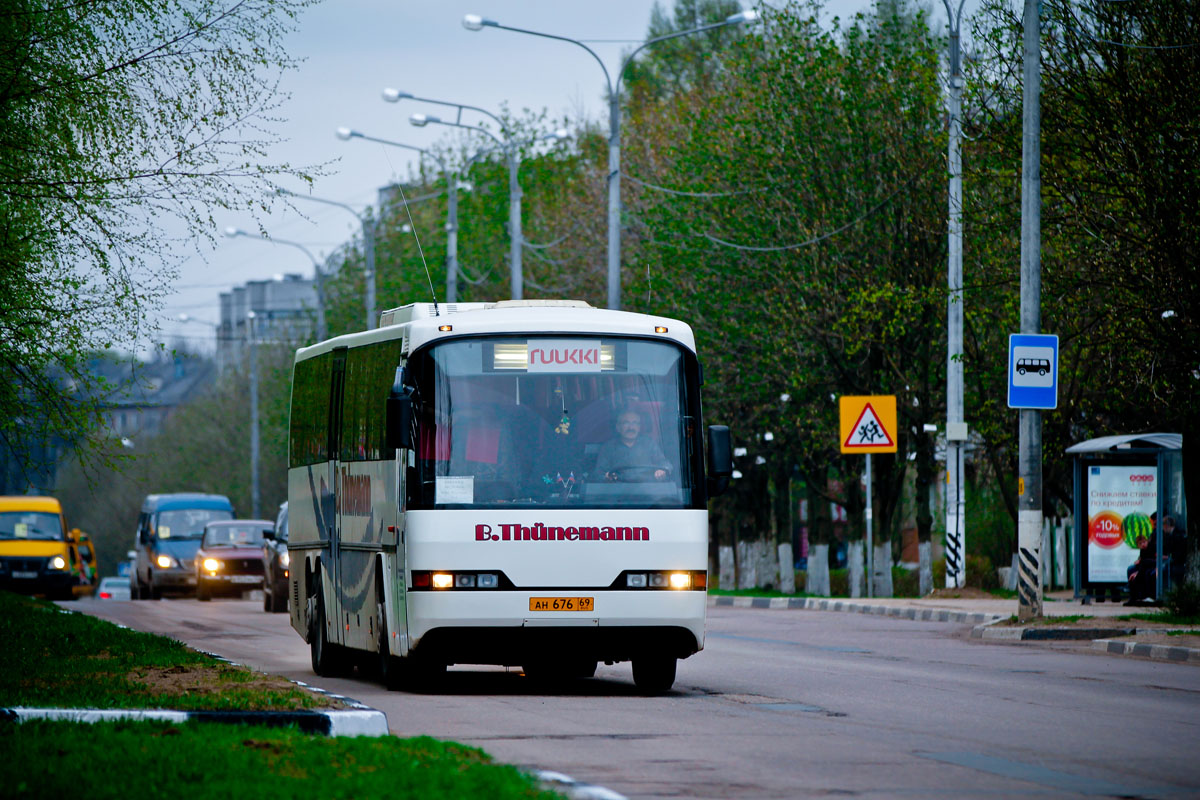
(117, 119)
(793, 210)
(1120, 225)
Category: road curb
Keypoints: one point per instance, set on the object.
(1043, 634)
(853, 607)
(1156, 651)
(571, 788)
(354, 722)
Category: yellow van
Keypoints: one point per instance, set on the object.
(88, 576)
(36, 550)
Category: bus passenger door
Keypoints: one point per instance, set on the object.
(399, 566)
(332, 586)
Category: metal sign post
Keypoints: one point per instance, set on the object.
(868, 425)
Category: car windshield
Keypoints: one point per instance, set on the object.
(185, 523)
(110, 583)
(233, 536)
(30, 525)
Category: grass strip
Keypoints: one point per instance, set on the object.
(54, 658)
(197, 760)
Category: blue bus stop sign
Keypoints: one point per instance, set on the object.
(1032, 370)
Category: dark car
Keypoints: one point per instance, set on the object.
(275, 564)
(230, 558)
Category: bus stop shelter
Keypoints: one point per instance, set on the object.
(1124, 485)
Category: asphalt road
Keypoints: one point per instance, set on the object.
(789, 704)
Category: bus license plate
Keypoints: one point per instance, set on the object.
(561, 603)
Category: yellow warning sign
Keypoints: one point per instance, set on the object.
(868, 424)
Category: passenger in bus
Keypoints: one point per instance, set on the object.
(631, 456)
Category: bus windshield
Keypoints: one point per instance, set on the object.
(553, 422)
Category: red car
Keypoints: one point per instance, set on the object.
(230, 557)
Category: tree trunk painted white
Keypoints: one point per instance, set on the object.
(747, 565)
(881, 581)
(768, 565)
(787, 569)
(925, 558)
(1060, 553)
(854, 559)
(816, 581)
(727, 577)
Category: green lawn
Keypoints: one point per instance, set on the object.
(202, 760)
(56, 658)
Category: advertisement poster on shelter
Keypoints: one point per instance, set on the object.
(1119, 504)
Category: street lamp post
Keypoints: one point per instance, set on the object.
(368, 229)
(254, 491)
(474, 22)
(346, 134)
(956, 427)
(322, 333)
(516, 275)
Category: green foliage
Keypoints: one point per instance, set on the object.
(117, 119)
(1120, 231)
(1183, 602)
(206, 760)
(203, 447)
(55, 658)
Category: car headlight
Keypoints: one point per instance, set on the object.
(166, 562)
(284, 559)
(211, 564)
(58, 562)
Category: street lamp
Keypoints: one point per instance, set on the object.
(368, 229)
(254, 491)
(516, 278)
(474, 22)
(346, 134)
(320, 276)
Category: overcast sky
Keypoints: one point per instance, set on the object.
(352, 50)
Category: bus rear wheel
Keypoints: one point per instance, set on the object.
(654, 674)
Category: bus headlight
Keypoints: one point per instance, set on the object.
(680, 580)
(166, 562)
(442, 580)
(211, 564)
(58, 562)
(284, 559)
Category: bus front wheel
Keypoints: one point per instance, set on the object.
(654, 674)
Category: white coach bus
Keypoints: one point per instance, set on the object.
(518, 483)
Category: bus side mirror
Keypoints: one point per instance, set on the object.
(399, 421)
(720, 459)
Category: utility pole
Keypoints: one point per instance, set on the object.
(956, 428)
(254, 493)
(1029, 459)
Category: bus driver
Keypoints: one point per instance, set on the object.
(630, 453)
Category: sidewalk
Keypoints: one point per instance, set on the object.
(988, 615)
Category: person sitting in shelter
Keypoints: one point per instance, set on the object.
(631, 453)
(1143, 572)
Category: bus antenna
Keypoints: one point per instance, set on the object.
(420, 250)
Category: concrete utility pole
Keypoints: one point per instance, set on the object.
(956, 428)
(254, 492)
(1029, 503)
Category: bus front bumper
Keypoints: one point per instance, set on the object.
(508, 627)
